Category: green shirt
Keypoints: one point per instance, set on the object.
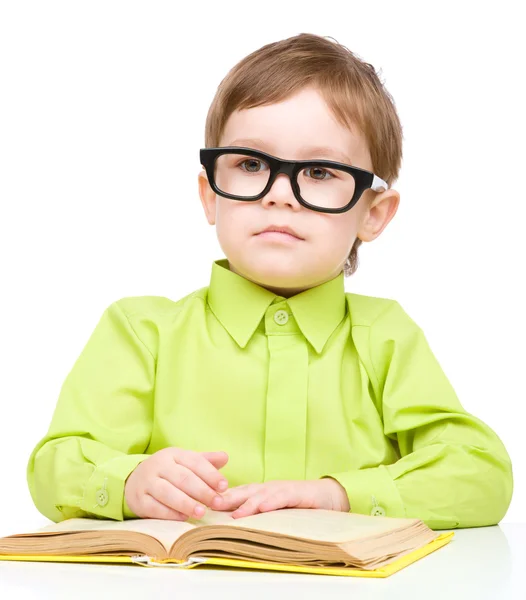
(324, 383)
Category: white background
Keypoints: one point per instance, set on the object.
(102, 111)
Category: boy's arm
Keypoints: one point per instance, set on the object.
(454, 470)
(100, 428)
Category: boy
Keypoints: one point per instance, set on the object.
(273, 379)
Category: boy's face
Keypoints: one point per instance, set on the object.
(287, 266)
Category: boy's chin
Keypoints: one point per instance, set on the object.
(272, 272)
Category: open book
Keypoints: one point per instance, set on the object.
(292, 539)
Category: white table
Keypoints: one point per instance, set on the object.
(480, 563)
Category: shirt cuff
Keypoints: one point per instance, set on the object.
(104, 492)
(371, 492)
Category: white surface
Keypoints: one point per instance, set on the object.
(482, 563)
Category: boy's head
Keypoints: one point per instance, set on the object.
(290, 99)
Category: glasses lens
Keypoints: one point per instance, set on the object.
(326, 187)
(241, 175)
(246, 176)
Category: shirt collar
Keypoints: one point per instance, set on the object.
(240, 304)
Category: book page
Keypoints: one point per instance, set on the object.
(306, 523)
(162, 529)
(318, 524)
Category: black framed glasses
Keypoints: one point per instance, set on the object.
(326, 186)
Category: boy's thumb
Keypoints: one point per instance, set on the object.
(218, 459)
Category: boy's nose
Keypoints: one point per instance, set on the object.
(281, 193)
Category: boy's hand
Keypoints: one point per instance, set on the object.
(172, 483)
(253, 498)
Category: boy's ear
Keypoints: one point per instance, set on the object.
(208, 197)
(377, 215)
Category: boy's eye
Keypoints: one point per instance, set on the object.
(317, 171)
(252, 165)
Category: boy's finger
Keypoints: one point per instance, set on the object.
(233, 498)
(158, 510)
(192, 485)
(203, 468)
(218, 459)
(175, 498)
(249, 507)
(276, 501)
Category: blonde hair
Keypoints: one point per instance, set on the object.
(350, 87)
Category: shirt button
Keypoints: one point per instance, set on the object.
(102, 497)
(378, 511)
(281, 317)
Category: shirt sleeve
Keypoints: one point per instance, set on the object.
(453, 470)
(100, 428)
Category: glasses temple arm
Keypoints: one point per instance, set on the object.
(378, 185)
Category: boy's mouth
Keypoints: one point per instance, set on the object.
(279, 236)
(277, 230)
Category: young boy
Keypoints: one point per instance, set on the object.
(273, 380)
